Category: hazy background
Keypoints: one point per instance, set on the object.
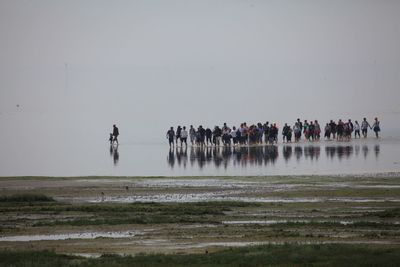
(70, 69)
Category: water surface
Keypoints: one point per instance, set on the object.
(151, 159)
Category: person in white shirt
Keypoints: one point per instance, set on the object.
(184, 136)
(356, 129)
(364, 127)
(233, 134)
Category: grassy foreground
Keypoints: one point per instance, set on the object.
(324, 221)
(269, 255)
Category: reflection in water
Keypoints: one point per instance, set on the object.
(377, 149)
(223, 156)
(349, 151)
(114, 153)
(298, 151)
(261, 155)
(312, 152)
(179, 156)
(365, 151)
(339, 151)
(287, 152)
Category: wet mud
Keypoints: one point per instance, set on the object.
(130, 215)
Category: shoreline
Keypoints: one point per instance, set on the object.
(344, 175)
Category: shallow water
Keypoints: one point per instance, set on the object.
(223, 196)
(269, 222)
(361, 156)
(86, 235)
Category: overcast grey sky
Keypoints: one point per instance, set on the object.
(151, 64)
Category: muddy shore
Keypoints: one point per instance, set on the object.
(129, 215)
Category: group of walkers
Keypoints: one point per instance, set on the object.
(343, 130)
(268, 133)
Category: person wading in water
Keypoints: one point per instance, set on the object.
(115, 134)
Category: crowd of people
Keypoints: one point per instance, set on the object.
(268, 133)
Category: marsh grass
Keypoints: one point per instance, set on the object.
(128, 219)
(171, 208)
(128, 213)
(390, 213)
(26, 197)
(333, 224)
(267, 255)
(156, 213)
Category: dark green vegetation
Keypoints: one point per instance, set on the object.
(25, 198)
(269, 255)
(115, 214)
(79, 214)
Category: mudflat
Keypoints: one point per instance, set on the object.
(91, 216)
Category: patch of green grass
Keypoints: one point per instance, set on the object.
(170, 208)
(129, 219)
(128, 213)
(77, 214)
(390, 213)
(268, 255)
(38, 258)
(339, 193)
(26, 198)
(332, 225)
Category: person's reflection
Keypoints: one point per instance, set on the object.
(256, 155)
(114, 153)
(287, 152)
(330, 151)
(201, 157)
(340, 152)
(185, 157)
(357, 150)
(271, 154)
(181, 156)
(198, 155)
(178, 156)
(251, 155)
(111, 150)
(241, 155)
(312, 152)
(226, 156)
(217, 156)
(377, 150)
(171, 157)
(192, 156)
(365, 151)
(298, 152)
(348, 151)
(237, 155)
(208, 155)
